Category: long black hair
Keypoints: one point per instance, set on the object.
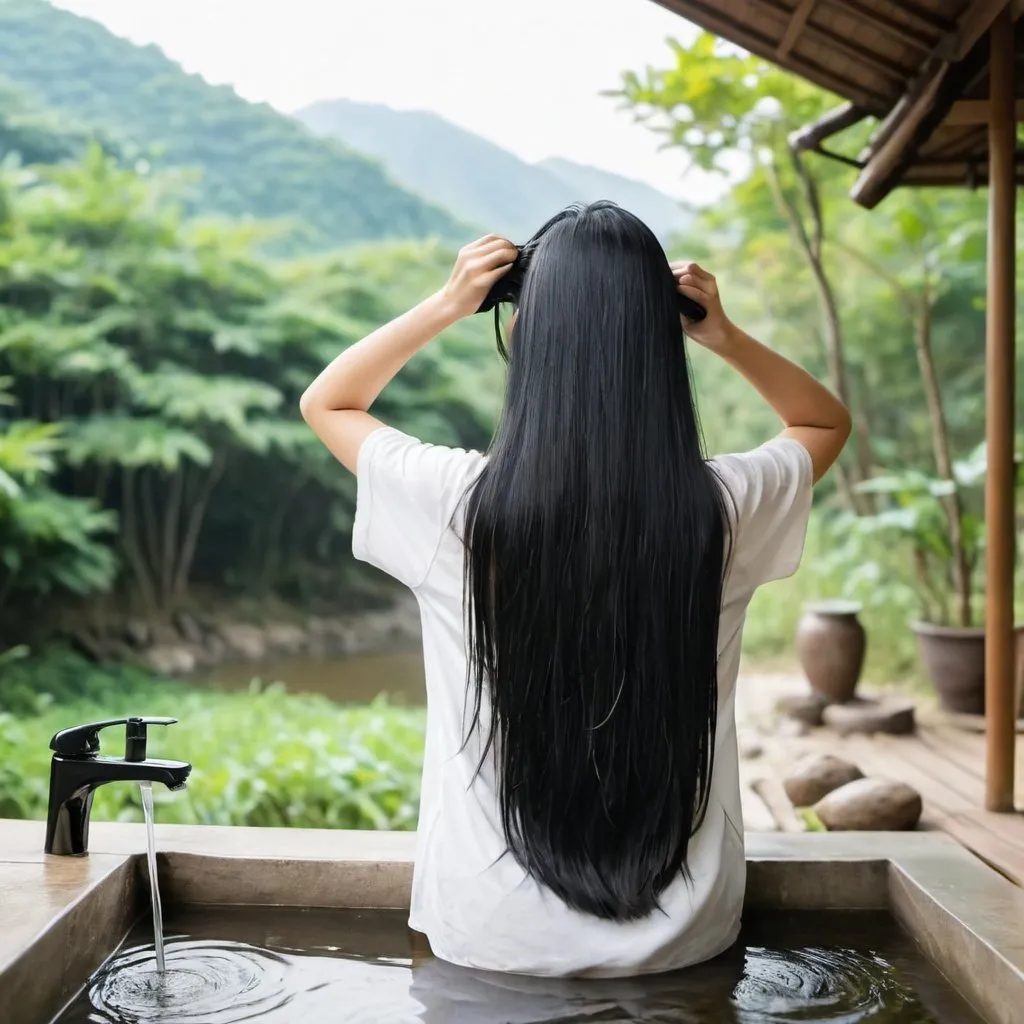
(595, 543)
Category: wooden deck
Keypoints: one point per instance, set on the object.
(945, 763)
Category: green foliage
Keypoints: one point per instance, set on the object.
(715, 101)
(31, 682)
(48, 542)
(914, 513)
(255, 162)
(887, 303)
(154, 361)
(839, 563)
(262, 758)
(34, 135)
(153, 369)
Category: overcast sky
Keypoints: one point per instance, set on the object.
(526, 74)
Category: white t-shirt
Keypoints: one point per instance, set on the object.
(477, 907)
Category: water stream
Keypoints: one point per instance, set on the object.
(154, 888)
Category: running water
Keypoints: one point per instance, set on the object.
(154, 889)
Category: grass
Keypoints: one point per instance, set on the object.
(261, 758)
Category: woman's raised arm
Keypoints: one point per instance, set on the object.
(810, 413)
(335, 405)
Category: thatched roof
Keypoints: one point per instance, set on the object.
(920, 67)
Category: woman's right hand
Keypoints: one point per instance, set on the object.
(477, 267)
(696, 283)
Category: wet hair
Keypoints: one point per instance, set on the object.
(596, 538)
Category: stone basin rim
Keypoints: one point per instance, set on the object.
(959, 910)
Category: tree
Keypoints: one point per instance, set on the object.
(923, 254)
(724, 107)
(169, 355)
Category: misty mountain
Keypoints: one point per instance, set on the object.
(477, 180)
(255, 161)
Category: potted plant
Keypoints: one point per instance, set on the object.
(943, 523)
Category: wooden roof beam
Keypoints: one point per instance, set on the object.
(795, 27)
(971, 112)
(910, 35)
(811, 137)
(814, 33)
(976, 21)
(923, 107)
(836, 120)
(708, 16)
(927, 101)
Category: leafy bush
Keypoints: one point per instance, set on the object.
(32, 682)
(263, 758)
(48, 542)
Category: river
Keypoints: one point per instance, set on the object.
(355, 679)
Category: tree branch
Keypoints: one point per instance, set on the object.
(196, 514)
(829, 313)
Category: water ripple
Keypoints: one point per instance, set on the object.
(212, 982)
(838, 986)
(203, 982)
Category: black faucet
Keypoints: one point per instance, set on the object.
(77, 769)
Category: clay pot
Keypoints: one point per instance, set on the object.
(830, 644)
(955, 659)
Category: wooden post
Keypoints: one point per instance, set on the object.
(1000, 713)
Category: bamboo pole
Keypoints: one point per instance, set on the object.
(999, 485)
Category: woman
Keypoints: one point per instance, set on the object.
(588, 577)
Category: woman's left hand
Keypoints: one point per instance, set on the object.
(696, 283)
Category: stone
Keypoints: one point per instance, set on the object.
(893, 717)
(170, 660)
(869, 805)
(286, 638)
(792, 728)
(137, 633)
(750, 746)
(244, 640)
(188, 627)
(212, 651)
(802, 707)
(392, 628)
(816, 776)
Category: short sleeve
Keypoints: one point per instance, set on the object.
(407, 493)
(770, 488)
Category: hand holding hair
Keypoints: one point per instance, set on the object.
(335, 405)
(696, 284)
(477, 267)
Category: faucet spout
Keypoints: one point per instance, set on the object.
(77, 771)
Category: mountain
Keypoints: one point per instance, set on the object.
(664, 214)
(476, 179)
(479, 181)
(255, 162)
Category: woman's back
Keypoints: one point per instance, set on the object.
(582, 590)
(475, 902)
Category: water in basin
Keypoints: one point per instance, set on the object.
(280, 966)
